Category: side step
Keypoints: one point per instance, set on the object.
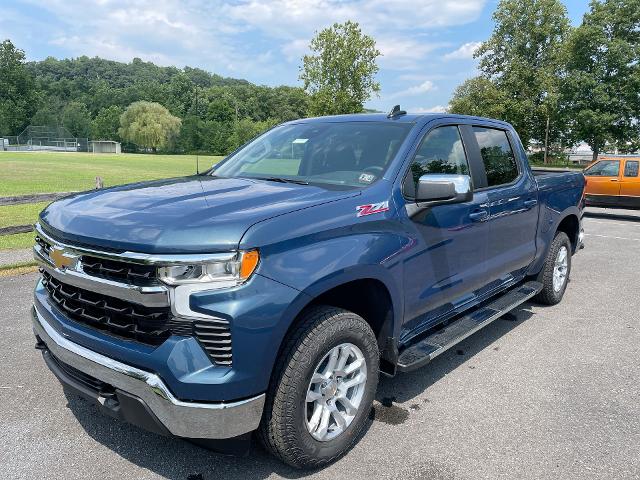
(440, 341)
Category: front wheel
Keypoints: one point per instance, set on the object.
(322, 392)
(555, 272)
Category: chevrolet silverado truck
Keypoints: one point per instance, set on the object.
(266, 295)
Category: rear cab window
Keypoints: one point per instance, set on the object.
(497, 155)
(604, 168)
(631, 168)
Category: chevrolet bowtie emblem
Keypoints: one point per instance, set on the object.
(62, 259)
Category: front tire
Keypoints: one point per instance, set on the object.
(555, 272)
(322, 389)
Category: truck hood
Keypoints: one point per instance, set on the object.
(197, 214)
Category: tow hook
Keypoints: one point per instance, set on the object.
(40, 345)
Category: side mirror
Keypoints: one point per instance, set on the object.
(444, 188)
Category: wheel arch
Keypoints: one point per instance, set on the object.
(366, 292)
(570, 224)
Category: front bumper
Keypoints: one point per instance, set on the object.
(137, 393)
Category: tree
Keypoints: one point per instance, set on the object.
(149, 125)
(340, 74)
(480, 97)
(77, 119)
(246, 129)
(17, 90)
(49, 113)
(523, 57)
(600, 94)
(106, 124)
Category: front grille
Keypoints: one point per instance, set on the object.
(134, 273)
(125, 319)
(128, 320)
(131, 321)
(46, 246)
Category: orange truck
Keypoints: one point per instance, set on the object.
(613, 181)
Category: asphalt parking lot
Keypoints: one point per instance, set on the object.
(551, 392)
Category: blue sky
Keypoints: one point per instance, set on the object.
(427, 45)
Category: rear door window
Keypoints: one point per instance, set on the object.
(631, 168)
(604, 168)
(497, 156)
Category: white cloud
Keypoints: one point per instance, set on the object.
(434, 109)
(419, 89)
(290, 18)
(404, 54)
(167, 32)
(393, 23)
(257, 39)
(295, 49)
(464, 52)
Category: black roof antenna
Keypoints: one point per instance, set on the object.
(396, 112)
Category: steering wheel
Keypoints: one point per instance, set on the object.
(374, 170)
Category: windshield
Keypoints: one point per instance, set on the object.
(353, 154)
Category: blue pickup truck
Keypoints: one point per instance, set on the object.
(266, 295)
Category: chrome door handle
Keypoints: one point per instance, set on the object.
(530, 203)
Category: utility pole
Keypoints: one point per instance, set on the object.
(198, 150)
(546, 142)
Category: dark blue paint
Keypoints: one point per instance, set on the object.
(434, 264)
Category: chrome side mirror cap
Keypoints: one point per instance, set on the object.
(444, 188)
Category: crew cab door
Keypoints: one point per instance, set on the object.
(603, 180)
(447, 263)
(513, 205)
(630, 183)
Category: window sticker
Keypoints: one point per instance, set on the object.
(366, 178)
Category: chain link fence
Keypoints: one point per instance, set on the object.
(45, 138)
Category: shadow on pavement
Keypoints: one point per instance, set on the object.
(613, 214)
(405, 387)
(177, 459)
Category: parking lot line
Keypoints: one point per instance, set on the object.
(609, 222)
(610, 236)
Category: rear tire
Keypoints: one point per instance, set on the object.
(554, 275)
(288, 429)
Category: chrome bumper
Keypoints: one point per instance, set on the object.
(183, 419)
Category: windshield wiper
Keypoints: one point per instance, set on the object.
(282, 180)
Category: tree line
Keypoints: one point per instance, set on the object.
(196, 110)
(181, 110)
(559, 85)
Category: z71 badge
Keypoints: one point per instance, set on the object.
(372, 208)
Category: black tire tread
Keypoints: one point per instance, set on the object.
(547, 295)
(272, 433)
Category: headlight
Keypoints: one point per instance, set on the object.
(237, 269)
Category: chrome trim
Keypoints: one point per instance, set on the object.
(185, 419)
(149, 296)
(143, 258)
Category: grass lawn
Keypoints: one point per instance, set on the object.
(24, 214)
(22, 173)
(20, 240)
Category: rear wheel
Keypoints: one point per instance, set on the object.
(555, 272)
(320, 397)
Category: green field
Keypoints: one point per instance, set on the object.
(23, 173)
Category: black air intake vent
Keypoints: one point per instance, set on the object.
(215, 337)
